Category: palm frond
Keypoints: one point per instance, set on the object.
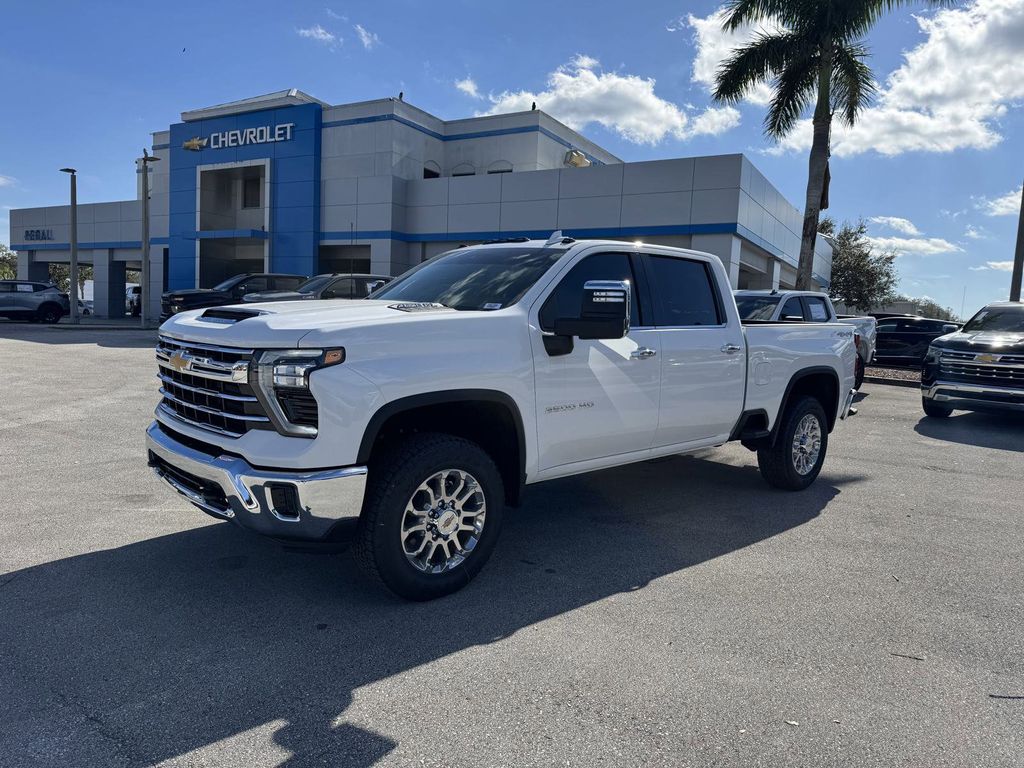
(762, 58)
(785, 12)
(853, 85)
(795, 90)
(852, 19)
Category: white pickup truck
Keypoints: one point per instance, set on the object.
(412, 418)
(809, 307)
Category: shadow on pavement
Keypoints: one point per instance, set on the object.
(171, 644)
(123, 338)
(1004, 431)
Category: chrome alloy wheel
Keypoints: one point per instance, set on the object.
(443, 521)
(806, 444)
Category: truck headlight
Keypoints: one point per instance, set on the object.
(933, 354)
(282, 386)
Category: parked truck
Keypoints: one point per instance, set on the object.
(809, 307)
(412, 419)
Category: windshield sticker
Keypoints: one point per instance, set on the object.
(492, 306)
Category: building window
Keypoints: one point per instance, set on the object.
(251, 192)
(502, 166)
(431, 171)
(463, 169)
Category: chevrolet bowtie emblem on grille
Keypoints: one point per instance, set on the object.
(987, 358)
(180, 361)
(195, 144)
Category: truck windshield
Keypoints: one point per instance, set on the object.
(1006, 319)
(314, 284)
(473, 278)
(228, 284)
(757, 307)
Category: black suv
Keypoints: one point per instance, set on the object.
(905, 340)
(35, 302)
(333, 286)
(231, 291)
(980, 367)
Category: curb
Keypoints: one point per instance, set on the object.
(892, 382)
(98, 327)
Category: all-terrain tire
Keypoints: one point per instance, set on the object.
(394, 479)
(935, 410)
(779, 463)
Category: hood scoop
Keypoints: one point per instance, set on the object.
(229, 316)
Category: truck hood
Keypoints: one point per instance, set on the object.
(283, 324)
(982, 341)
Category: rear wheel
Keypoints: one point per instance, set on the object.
(931, 408)
(50, 313)
(858, 375)
(432, 516)
(795, 458)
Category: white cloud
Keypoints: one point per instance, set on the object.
(980, 268)
(897, 224)
(318, 33)
(1001, 266)
(581, 93)
(335, 15)
(975, 233)
(7, 181)
(714, 45)
(367, 38)
(1004, 205)
(918, 246)
(468, 86)
(949, 93)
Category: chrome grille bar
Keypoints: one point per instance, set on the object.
(208, 392)
(204, 409)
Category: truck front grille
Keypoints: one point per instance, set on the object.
(1007, 371)
(208, 387)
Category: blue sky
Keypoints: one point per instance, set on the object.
(936, 163)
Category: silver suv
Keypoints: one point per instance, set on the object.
(26, 300)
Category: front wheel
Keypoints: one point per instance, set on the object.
(432, 516)
(797, 454)
(933, 409)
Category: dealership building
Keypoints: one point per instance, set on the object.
(287, 183)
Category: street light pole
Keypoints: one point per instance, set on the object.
(146, 159)
(74, 245)
(1018, 256)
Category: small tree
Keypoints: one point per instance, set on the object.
(60, 274)
(8, 263)
(861, 277)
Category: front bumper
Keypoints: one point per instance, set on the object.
(292, 505)
(974, 397)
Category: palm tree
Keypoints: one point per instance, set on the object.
(816, 55)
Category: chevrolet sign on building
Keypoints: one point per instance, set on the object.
(287, 183)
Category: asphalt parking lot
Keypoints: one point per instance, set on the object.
(675, 613)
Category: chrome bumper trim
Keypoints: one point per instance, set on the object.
(324, 497)
(969, 394)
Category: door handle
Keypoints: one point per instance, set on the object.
(730, 349)
(643, 353)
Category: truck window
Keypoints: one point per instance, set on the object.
(686, 295)
(339, 289)
(567, 298)
(792, 310)
(756, 307)
(816, 309)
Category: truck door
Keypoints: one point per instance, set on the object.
(601, 398)
(703, 356)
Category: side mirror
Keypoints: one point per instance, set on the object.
(604, 312)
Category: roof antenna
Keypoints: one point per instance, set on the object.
(556, 237)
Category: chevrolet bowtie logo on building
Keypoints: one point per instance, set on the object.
(195, 144)
(180, 361)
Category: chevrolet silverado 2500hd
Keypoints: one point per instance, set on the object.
(415, 416)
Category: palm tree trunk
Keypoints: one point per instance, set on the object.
(817, 167)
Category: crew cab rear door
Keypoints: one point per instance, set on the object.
(601, 398)
(703, 352)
